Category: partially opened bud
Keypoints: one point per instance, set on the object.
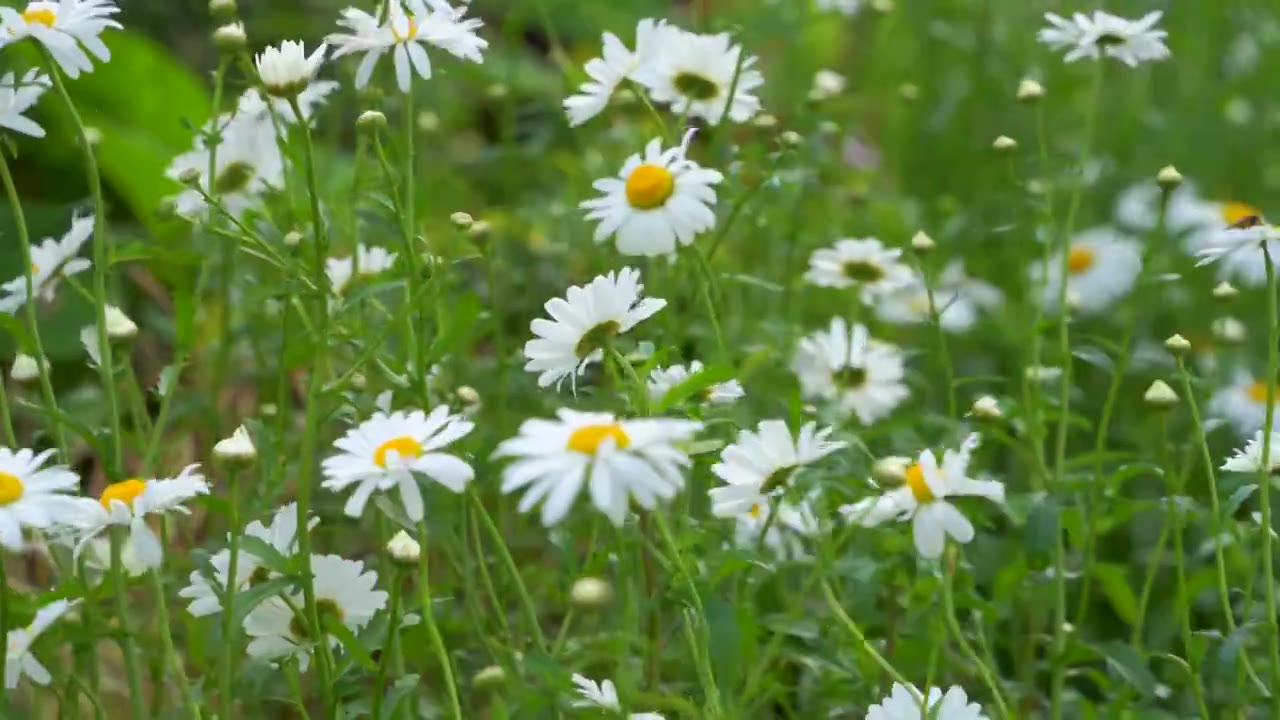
(1160, 395)
(230, 38)
(404, 549)
(591, 593)
(1169, 177)
(922, 243)
(237, 449)
(119, 326)
(1030, 91)
(371, 120)
(1004, 144)
(25, 368)
(986, 408)
(1177, 345)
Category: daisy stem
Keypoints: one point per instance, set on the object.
(169, 659)
(226, 670)
(706, 673)
(101, 263)
(42, 364)
(410, 220)
(228, 255)
(856, 632)
(944, 353)
(429, 619)
(410, 258)
(953, 623)
(10, 440)
(128, 649)
(1264, 480)
(4, 627)
(526, 602)
(1184, 597)
(708, 297)
(389, 643)
(643, 94)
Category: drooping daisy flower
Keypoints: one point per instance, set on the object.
(373, 260)
(762, 462)
(19, 660)
(1249, 459)
(1239, 252)
(661, 380)
(903, 703)
(785, 537)
(604, 696)
(51, 260)
(408, 27)
(923, 500)
(864, 263)
(249, 164)
(1102, 265)
(1104, 35)
(17, 97)
(659, 199)
(286, 71)
(129, 502)
(1242, 402)
(957, 297)
(206, 596)
(583, 322)
(35, 496)
(618, 459)
(388, 450)
(844, 365)
(693, 74)
(343, 591)
(65, 28)
(615, 64)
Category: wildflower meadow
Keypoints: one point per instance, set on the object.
(723, 359)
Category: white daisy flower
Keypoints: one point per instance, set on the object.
(583, 322)
(285, 71)
(762, 462)
(659, 199)
(848, 8)
(408, 27)
(903, 703)
(51, 260)
(19, 660)
(1100, 35)
(65, 28)
(1239, 252)
(615, 64)
(249, 164)
(786, 535)
(252, 105)
(864, 263)
(1249, 458)
(844, 365)
(343, 590)
(373, 260)
(1102, 266)
(826, 85)
(388, 449)
(923, 500)
(206, 595)
(35, 496)
(17, 97)
(617, 459)
(661, 380)
(693, 73)
(1195, 219)
(1242, 402)
(958, 298)
(604, 696)
(128, 503)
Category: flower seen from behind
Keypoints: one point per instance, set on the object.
(19, 660)
(51, 260)
(65, 28)
(17, 97)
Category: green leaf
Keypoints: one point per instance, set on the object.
(266, 554)
(1115, 585)
(396, 695)
(694, 384)
(1238, 498)
(247, 600)
(358, 652)
(1094, 356)
(1126, 661)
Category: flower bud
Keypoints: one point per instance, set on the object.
(891, 469)
(479, 230)
(1160, 395)
(462, 220)
(791, 138)
(591, 593)
(230, 38)
(428, 122)
(119, 326)
(826, 85)
(765, 120)
(1169, 177)
(1177, 345)
(371, 120)
(25, 368)
(489, 678)
(909, 92)
(190, 177)
(293, 238)
(986, 408)
(237, 449)
(1229, 331)
(222, 9)
(922, 243)
(1030, 91)
(1004, 144)
(468, 395)
(1225, 291)
(404, 549)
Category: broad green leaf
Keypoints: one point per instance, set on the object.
(1131, 666)
(397, 694)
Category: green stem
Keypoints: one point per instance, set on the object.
(707, 675)
(429, 619)
(11, 440)
(389, 643)
(133, 674)
(953, 623)
(4, 629)
(708, 297)
(944, 354)
(226, 671)
(863, 643)
(169, 659)
(526, 601)
(1264, 481)
(1184, 597)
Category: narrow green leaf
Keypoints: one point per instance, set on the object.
(1115, 585)
(358, 651)
(1126, 661)
(396, 695)
(266, 554)
(694, 384)
(247, 600)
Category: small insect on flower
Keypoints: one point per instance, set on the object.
(923, 500)
(407, 28)
(904, 703)
(615, 64)
(1102, 265)
(51, 260)
(34, 495)
(17, 97)
(1101, 34)
(19, 660)
(862, 263)
(584, 322)
(65, 28)
(1242, 402)
(858, 374)
(618, 459)
(285, 71)
(694, 74)
(763, 462)
(389, 449)
(661, 380)
(661, 200)
(1241, 250)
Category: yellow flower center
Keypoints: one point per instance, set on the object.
(125, 491)
(34, 268)
(1234, 212)
(649, 186)
(1258, 392)
(1080, 259)
(919, 488)
(587, 438)
(11, 488)
(754, 511)
(39, 13)
(411, 30)
(404, 446)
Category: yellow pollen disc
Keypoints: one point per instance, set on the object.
(919, 488)
(1080, 259)
(1234, 212)
(410, 33)
(587, 439)
(649, 186)
(45, 16)
(754, 511)
(34, 268)
(11, 488)
(125, 491)
(404, 446)
(1258, 392)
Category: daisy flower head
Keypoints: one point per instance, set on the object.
(615, 64)
(1197, 220)
(661, 380)
(285, 71)
(844, 365)
(618, 459)
(923, 500)
(693, 74)
(585, 321)
(389, 449)
(1103, 35)
(660, 200)
(409, 27)
(1102, 266)
(35, 495)
(253, 106)
(51, 260)
(763, 462)
(785, 536)
(371, 260)
(19, 660)
(903, 703)
(1241, 251)
(248, 165)
(344, 591)
(65, 28)
(864, 263)
(128, 503)
(1250, 458)
(1242, 402)
(958, 299)
(17, 97)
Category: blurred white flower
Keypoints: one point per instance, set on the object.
(285, 71)
(1249, 459)
(786, 535)
(1239, 252)
(372, 261)
(864, 263)
(51, 260)
(252, 106)
(249, 164)
(25, 368)
(1102, 266)
(119, 325)
(957, 297)
(65, 28)
(826, 85)
(762, 462)
(1242, 402)
(35, 496)
(615, 64)
(205, 593)
(604, 696)
(1101, 34)
(903, 703)
(17, 97)
(19, 660)
(844, 365)
(408, 27)
(661, 380)
(693, 74)
(844, 7)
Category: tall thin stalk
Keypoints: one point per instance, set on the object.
(1264, 480)
(433, 631)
